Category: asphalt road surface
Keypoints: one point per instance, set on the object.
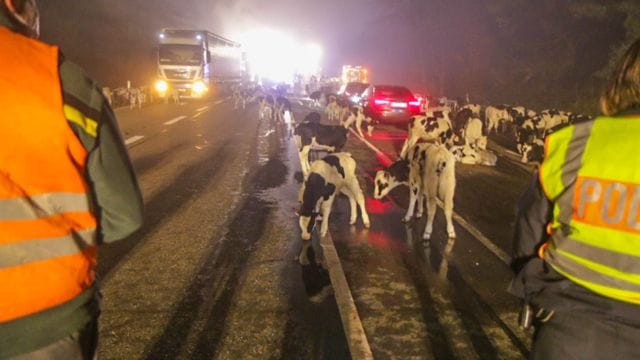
(212, 273)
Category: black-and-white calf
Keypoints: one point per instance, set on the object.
(468, 129)
(357, 117)
(313, 135)
(328, 177)
(434, 126)
(474, 156)
(474, 108)
(430, 173)
(496, 115)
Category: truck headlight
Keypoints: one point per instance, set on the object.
(161, 86)
(199, 88)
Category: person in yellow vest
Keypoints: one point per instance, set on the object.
(66, 186)
(577, 238)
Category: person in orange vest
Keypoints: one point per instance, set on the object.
(66, 186)
(577, 238)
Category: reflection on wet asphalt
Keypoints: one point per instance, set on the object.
(455, 315)
(317, 282)
(314, 328)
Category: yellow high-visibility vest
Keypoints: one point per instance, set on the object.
(47, 228)
(591, 173)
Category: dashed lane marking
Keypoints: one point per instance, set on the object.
(198, 114)
(499, 253)
(219, 102)
(133, 139)
(202, 109)
(356, 337)
(173, 121)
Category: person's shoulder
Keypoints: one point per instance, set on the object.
(576, 122)
(78, 87)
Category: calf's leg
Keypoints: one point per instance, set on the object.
(431, 185)
(326, 211)
(414, 192)
(354, 187)
(353, 216)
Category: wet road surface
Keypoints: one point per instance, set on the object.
(443, 298)
(211, 274)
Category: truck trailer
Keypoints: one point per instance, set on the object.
(193, 62)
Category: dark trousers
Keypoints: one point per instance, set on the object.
(585, 336)
(81, 345)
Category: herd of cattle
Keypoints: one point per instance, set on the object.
(428, 168)
(436, 140)
(464, 131)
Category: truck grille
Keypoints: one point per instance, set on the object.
(179, 74)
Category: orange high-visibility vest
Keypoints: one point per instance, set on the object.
(47, 229)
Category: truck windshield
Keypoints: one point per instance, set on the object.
(181, 55)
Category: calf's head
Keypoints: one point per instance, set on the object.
(395, 175)
(533, 152)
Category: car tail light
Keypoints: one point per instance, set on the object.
(415, 106)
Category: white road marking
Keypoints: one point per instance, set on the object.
(219, 102)
(202, 109)
(198, 114)
(300, 103)
(133, 139)
(384, 156)
(356, 337)
(499, 253)
(173, 121)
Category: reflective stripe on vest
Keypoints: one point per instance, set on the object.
(47, 229)
(591, 172)
(43, 205)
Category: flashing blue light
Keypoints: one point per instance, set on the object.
(199, 37)
(161, 36)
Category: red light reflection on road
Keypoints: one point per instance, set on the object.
(386, 135)
(375, 206)
(383, 159)
(382, 240)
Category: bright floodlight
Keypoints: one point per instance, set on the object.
(276, 56)
(309, 58)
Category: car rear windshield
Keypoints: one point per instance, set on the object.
(393, 91)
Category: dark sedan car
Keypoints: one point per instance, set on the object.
(390, 104)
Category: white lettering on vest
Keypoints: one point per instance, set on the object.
(617, 204)
(590, 192)
(608, 203)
